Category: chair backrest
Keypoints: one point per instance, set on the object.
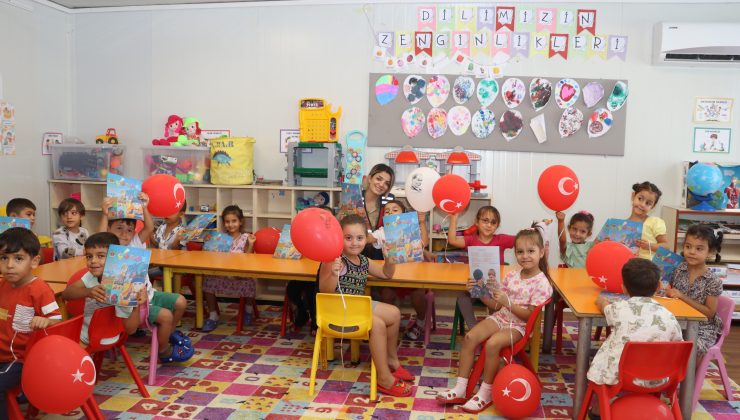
(725, 308)
(70, 328)
(653, 361)
(47, 255)
(529, 328)
(337, 320)
(105, 330)
(76, 306)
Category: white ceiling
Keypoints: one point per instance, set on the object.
(86, 4)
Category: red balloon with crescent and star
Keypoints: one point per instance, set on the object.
(451, 193)
(604, 264)
(558, 187)
(516, 392)
(166, 194)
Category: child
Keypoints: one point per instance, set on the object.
(167, 234)
(23, 208)
(639, 318)
(26, 303)
(487, 220)
(232, 218)
(580, 227)
(348, 275)
(69, 239)
(165, 309)
(512, 304)
(644, 198)
(90, 289)
(698, 286)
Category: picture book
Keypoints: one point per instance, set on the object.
(350, 200)
(126, 192)
(285, 248)
(403, 238)
(620, 230)
(217, 241)
(667, 261)
(612, 297)
(125, 273)
(7, 222)
(194, 230)
(485, 268)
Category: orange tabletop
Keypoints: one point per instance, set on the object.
(160, 255)
(59, 271)
(257, 265)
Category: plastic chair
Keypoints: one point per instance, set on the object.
(287, 314)
(644, 362)
(154, 351)
(725, 308)
(342, 316)
(77, 306)
(189, 280)
(430, 319)
(47, 255)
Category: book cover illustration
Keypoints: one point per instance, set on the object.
(403, 238)
(285, 248)
(194, 230)
(620, 230)
(612, 297)
(667, 261)
(7, 222)
(350, 200)
(484, 263)
(125, 273)
(217, 241)
(126, 192)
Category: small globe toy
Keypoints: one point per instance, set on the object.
(703, 180)
(718, 200)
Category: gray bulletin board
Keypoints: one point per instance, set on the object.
(384, 122)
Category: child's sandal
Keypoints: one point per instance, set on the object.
(450, 397)
(398, 389)
(179, 354)
(177, 337)
(475, 405)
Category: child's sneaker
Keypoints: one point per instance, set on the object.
(209, 325)
(179, 354)
(416, 332)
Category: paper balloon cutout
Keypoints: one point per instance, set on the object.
(414, 88)
(316, 234)
(386, 89)
(592, 93)
(558, 187)
(567, 92)
(511, 124)
(604, 264)
(419, 185)
(538, 127)
(412, 121)
(618, 96)
(487, 92)
(438, 89)
(512, 92)
(599, 123)
(516, 392)
(451, 193)
(437, 122)
(540, 91)
(483, 123)
(459, 120)
(463, 89)
(570, 122)
(166, 194)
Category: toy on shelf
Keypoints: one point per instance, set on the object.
(190, 165)
(459, 157)
(110, 137)
(405, 160)
(86, 161)
(172, 129)
(317, 122)
(191, 133)
(314, 164)
(355, 142)
(477, 187)
(320, 199)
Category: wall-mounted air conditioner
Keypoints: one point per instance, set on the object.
(696, 44)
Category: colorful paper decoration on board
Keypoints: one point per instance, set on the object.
(487, 92)
(567, 92)
(463, 89)
(592, 93)
(386, 89)
(412, 121)
(458, 119)
(511, 124)
(538, 128)
(540, 91)
(438, 89)
(599, 123)
(437, 122)
(512, 92)
(618, 96)
(570, 122)
(7, 128)
(483, 123)
(414, 88)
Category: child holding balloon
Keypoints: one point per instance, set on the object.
(645, 197)
(580, 226)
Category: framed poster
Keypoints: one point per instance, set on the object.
(712, 140)
(288, 135)
(713, 110)
(48, 139)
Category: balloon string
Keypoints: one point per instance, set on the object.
(447, 237)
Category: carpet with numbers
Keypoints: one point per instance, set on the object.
(258, 375)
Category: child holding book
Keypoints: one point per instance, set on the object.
(645, 197)
(580, 226)
(232, 218)
(168, 233)
(69, 239)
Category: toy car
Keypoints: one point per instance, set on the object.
(110, 137)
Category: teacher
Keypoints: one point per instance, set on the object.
(375, 194)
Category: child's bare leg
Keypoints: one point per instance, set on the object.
(378, 351)
(211, 304)
(180, 304)
(165, 326)
(419, 302)
(391, 317)
(500, 340)
(387, 295)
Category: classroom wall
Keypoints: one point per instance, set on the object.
(35, 64)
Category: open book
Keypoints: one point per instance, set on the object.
(7, 222)
(484, 263)
(195, 228)
(124, 274)
(621, 230)
(285, 248)
(126, 192)
(403, 238)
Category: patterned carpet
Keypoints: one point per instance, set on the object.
(258, 375)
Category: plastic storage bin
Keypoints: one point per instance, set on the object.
(91, 162)
(190, 165)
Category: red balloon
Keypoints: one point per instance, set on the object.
(640, 407)
(58, 375)
(166, 194)
(451, 193)
(516, 392)
(604, 264)
(267, 240)
(558, 187)
(317, 235)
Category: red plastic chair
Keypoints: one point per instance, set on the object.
(645, 362)
(725, 308)
(47, 255)
(77, 306)
(507, 353)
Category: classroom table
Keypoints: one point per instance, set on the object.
(59, 271)
(575, 286)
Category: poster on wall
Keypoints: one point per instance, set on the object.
(713, 110)
(288, 135)
(7, 129)
(49, 139)
(712, 140)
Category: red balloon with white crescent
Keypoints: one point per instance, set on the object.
(451, 193)
(166, 194)
(516, 392)
(558, 187)
(604, 264)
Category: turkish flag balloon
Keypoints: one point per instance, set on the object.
(451, 193)
(640, 407)
(558, 187)
(317, 235)
(267, 240)
(166, 194)
(58, 375)
(516, 392)
(604, 264)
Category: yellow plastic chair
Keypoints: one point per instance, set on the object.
(334, 321)
(2, 211)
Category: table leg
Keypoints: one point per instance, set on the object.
(198, 301)
(549, 322)
(534, 347)
(583, 349)
(686, 393)
(167, 279)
